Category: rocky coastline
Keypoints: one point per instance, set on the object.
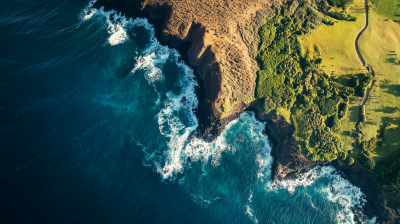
(288, 162)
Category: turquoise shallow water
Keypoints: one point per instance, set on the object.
(97, 127)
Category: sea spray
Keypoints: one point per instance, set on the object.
(339, 190)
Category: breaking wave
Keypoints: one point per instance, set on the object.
(339, 190)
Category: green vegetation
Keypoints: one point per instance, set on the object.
(387, 174)
(338, 15)
(318, 83)
(316, 115)
(349, 160)
(351, 18)
(335, 40)
(361, 82)
(388, 8)
(367, 161)
(327, 21)
(280, 52)
(339, 3)
(380, 48)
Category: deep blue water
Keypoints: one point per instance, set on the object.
(96, 127)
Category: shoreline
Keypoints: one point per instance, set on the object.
(288, 161)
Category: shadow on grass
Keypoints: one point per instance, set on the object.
(388, 110)
(394, 61)
(389, 88)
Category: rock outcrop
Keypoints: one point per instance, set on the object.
(207, 33)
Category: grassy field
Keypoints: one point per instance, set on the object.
(387, 8)
(336, 43)
(380, 46)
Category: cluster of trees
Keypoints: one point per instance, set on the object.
(317, 111)
(339, 3)
(367, 161)
(361, 82)
(329, 107)
(343, 108)
(341, 16)
(328, 22)
(387, 175)
(279, 54)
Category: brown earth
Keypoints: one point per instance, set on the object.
(217, 50)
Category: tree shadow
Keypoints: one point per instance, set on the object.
(392, 61)
(388, 110)
(393, 89)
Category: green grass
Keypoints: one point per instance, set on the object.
(380, 47)
(388, 8)
(336, 43)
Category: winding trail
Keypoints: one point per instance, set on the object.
(361, 32)
(359, 53)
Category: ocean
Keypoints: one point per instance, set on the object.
(98, 126)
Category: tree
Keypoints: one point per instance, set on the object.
(342, 156)
(367, 161)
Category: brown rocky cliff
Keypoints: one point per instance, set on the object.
(217, 51)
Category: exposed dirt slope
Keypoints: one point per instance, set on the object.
(217, 50)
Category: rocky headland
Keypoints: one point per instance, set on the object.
(217, 38)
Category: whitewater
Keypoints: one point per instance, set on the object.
(217, 173)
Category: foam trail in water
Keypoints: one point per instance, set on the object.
(339, 190)
(249, 210)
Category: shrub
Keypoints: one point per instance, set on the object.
(334, 122)
(327, 21)
(318, 60)
(342, 156)
(363, 118)
(367, 161)
(338, 15)
(351, 18)
(329, 106)
(354, 82)
(343, 108)
(349, 160)
(306, 62)
(339, 3)
(324, 83)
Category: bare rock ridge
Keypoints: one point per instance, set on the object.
(207, 34)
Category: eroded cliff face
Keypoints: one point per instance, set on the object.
(217, 50)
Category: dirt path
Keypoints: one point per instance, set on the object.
(361, 32)
(359, 53)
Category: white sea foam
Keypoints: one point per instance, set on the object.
(249, 210)
(86, 14)
(117, 24)
(339, 190)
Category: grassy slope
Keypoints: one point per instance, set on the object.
(387, 8)
(336, 42)
(377, 45)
